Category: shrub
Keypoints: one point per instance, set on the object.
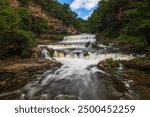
(111, 33)
(51, 52)
(135, 40)
(26, 40)
(15, 31)
(40, 25)
(106, 42)
(112, 63)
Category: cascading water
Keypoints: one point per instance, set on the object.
(44, 53)
(78, 75)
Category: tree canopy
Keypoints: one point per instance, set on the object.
(128, 20)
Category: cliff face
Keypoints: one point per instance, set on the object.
(56, 25)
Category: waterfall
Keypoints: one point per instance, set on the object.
(78, 74)
(44, 53)
(80, 38)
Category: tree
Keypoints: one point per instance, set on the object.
(15, 33)
(40, 26)
(128, 20)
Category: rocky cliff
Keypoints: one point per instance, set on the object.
(57, 26)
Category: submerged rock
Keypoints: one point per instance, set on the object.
(40, 97)
(66, 97)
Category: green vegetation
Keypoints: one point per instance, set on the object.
(62, 12)
(111, 63)
(51, 52)
(15, 34)
(59, 37)
(19, 28)
(40, 26)
(126, 20)
(106, 42)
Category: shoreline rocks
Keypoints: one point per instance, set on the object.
(67, 97)
(138, 63)
(136, 70)
(16, 73)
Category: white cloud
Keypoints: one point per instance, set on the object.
(85, 17)
(87, 4)
(79, 13)
(91, 13)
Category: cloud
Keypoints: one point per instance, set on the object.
(85, 17)
(87, 4)
(91, 13)
(79, 13)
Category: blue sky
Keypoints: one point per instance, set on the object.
(83, 8)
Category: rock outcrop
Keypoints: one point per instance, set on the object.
(66, 97)
(56, 25)
(15, 73)
(133, 81)
(138, 63)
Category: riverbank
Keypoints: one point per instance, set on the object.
(123, 45)
(16, 72)
(134, 75)
(135, 70)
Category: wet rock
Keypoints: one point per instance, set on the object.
(118, 85)
(113, 93)
(40, 97)
(129, 95)
(66, 97)
(138, 63)
(36, 52)
(108, 65)
(30, 66)
(86, 54)
(34, 55)
(14, 75)
(16, 95)
(138, 80)
(3, 83)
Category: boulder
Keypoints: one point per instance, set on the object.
(40, 97)
(138, 63)
(67, 97)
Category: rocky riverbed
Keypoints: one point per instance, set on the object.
(133, 74)
(16, 73)
(72, 70)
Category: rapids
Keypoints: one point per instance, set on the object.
(79, 75)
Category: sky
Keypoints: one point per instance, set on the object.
(84, 8)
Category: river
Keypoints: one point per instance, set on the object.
(78, 77)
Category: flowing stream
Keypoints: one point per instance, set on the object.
(78, 76)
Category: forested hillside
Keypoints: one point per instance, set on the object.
(128, 21)
(57, 10)
(23, 21)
